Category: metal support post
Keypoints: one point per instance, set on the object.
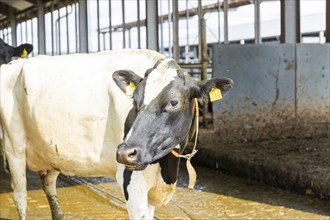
(204, 62)
(219, 25)
(327, 22)
(98, 25)
(200, 30)
(176, 48)
(161, 21)
(203, 59)
(67, 30)
(52, 26)
(139, 24)
(83, 27)
(290, 21)
(13, 24)
(225, 19)
(169, 28)
(41, 27)
(124, 23)
(152, 24)
(187, 30)
(257, 35)
(110, 26)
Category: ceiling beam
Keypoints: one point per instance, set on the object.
(19, 5)
(4, 9)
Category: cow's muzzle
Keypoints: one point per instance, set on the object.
(130, 157)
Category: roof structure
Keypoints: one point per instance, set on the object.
(27, 9)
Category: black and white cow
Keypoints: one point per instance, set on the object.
(7, 52)
(63, 115)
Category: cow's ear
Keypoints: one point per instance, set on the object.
(23, 50)
(126, 80)
(213, 89)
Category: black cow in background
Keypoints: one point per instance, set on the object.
(7, 52)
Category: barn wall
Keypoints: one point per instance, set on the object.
(281, 91)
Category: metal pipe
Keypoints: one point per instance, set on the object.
(26, 32)
(176, 48)
(76, 25)
(110, 27)
(139, 23)
(124, 24)
(6, 38)
(129, 38)
(41, 27)
(204, 62)
(257, 37)
(83, 26)
(13, 24)
(327, 22)
(169, 29)
(32, 35)
(98, 25)
(204, 58)
(187, 31)
(58, 32)
(219, 25)
(52, 26)
(21, 31)
(152, 24)
(67, 30)
(202, 53)
(225, 19)
(200, 30)
(161, 28)
(103, 37)
(194, 65)
(290, 21)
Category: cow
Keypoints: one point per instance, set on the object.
(7, 52)
(116, 113)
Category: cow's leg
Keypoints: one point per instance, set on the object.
(17, 166)
(48, 180)
(135, 191)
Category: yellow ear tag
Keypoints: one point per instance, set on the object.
(24, 53)
(130, 89)
(215, 94)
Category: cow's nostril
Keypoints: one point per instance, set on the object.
(128, 156)
(133, 153)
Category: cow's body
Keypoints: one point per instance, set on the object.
(67, 115)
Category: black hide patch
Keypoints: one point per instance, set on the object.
(169, 168)
(127, 180)
(7, 52)
(129, 120)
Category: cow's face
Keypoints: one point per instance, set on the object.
(163, 111)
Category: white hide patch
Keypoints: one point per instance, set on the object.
(158, 79)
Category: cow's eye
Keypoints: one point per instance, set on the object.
(174, 103)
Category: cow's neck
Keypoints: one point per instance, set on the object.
(170, 163)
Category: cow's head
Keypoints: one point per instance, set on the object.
(7, 52)
(163, 111)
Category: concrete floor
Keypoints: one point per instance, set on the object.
(217, 195)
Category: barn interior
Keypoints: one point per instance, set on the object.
(273, 127)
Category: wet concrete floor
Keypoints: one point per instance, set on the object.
(217, 196)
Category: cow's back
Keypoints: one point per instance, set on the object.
(71, 110)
